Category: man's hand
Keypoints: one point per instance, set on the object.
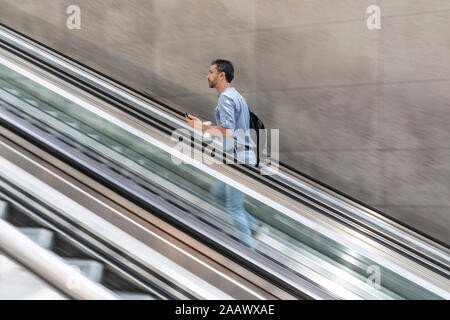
(194, 122)
(216, 131)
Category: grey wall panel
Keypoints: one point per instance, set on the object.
(418, 177)
(416, 47)
(341, 53)
(176, 61)
(420, 217)
(364, 171)
(416, 115)
(326, 118)
(408, 7)
(181, 20)
(294, 13)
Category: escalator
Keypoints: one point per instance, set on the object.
(312, 243)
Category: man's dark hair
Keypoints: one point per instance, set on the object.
(224, 66)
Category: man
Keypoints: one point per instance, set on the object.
(232, 124)
(232, 114)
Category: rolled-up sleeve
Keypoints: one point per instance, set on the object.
(226, 108)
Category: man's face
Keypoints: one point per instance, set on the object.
(213, 76)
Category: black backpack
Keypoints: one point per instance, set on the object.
(257, 124)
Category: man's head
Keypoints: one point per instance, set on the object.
(220, 71)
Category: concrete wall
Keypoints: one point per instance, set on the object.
(367, 112)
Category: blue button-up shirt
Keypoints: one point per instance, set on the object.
(232, 113)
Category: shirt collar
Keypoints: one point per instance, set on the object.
(224, 91)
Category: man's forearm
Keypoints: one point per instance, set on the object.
(217, 131)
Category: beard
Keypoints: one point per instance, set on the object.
(212, 84)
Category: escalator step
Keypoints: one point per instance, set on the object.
(42, 237)
(90, 268)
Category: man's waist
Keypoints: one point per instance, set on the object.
(243, 148)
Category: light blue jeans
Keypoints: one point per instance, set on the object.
(232, 201)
